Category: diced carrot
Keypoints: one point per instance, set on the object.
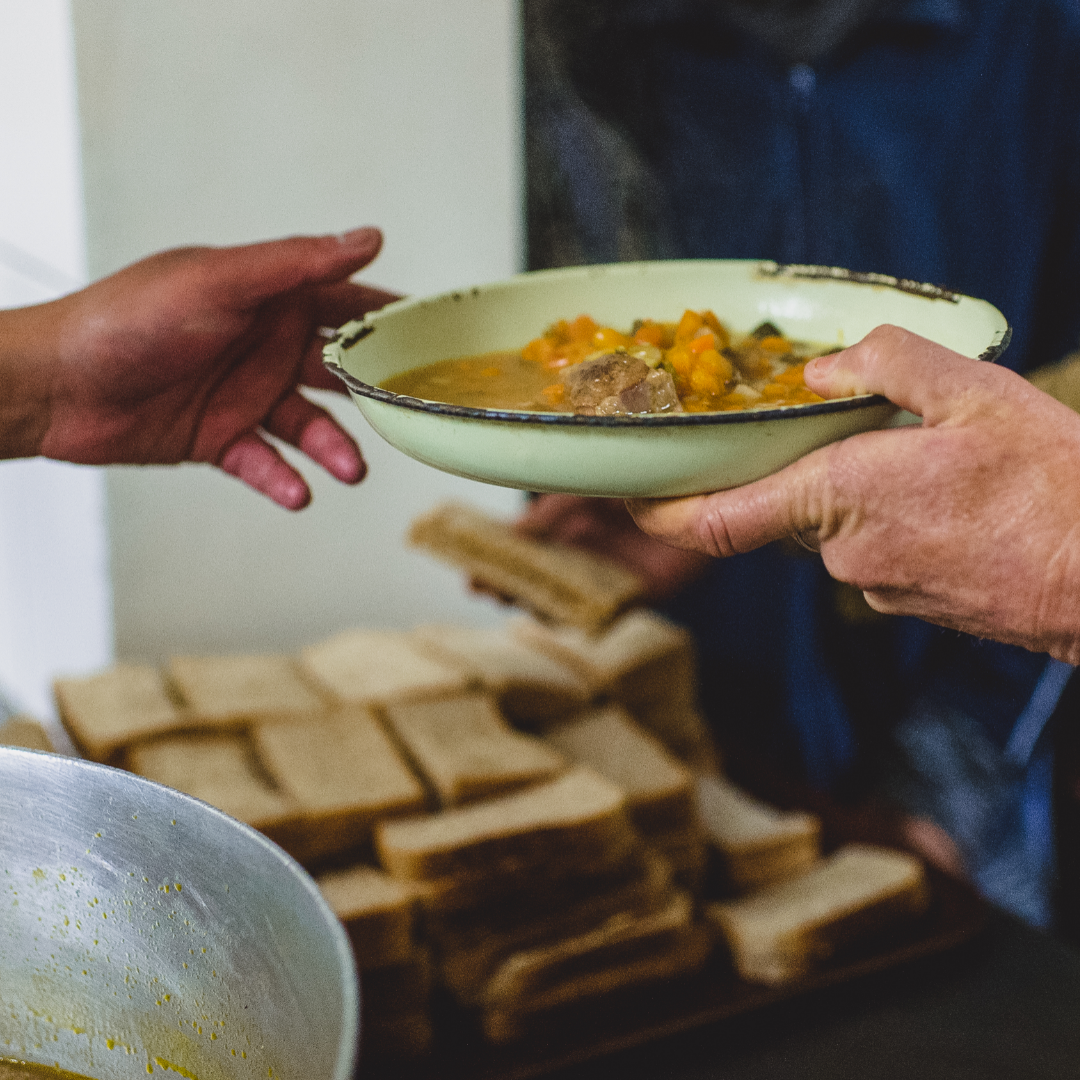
(703, 341)
(555, 393)
(774, 391)
(723, 339)
(607, 338)
(717, 363)
(571, 353)
(703, 380)
(801, 396)
(583, 328)
(650, 333)
(679, 358)
(539, 350)
(558, 333)
(775, 343)
(690, 323)
(793, 376)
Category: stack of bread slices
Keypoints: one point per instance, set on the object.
(395, 962)
(522, 815)
(482, 807)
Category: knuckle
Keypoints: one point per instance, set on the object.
(713, 533)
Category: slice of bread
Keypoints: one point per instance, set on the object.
(641, 657)
(626, 951)
(220, 769)
(107, 712)
(580, 965)
(378, 667)
(402, 986)
(231, 690)
(344, 773)
(378, 912)
(406, 1035)
(1060, 380)
(577, 812)
(471, 952)
(680, 726)
(534, 899)
(532, 689)
(686, 854)
(26, 732)
(577, 871)
(467, 751)
(756, 843)
(659, 789)
(564, 584)
(548, 1016)
(778, 934)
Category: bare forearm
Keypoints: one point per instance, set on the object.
(26, 371)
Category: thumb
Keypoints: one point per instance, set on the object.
(794, 500)
(917, 374)
(247, 276)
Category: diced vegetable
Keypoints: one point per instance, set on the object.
(712, 369)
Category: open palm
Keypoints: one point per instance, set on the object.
(199, 354)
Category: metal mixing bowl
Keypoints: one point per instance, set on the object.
(143, 931)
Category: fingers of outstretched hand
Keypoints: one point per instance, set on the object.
(259, 465)
(314, 432)
(340, 301)
(335, 305)
(245, 277)
(791, 502)
(917, 374)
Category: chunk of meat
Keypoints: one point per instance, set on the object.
(654, 394)
(600, 377)
(616, 384)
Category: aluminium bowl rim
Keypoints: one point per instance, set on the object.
(348, 1051)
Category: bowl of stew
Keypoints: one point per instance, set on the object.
(636, 380)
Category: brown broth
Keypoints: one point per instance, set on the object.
(497, 380)
(710, 368)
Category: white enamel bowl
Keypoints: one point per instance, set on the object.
(647, 456)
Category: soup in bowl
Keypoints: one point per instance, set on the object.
(693, 445)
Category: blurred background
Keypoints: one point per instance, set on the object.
(128, 127)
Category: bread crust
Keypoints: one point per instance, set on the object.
(577, 811)
(565, 584)
(778, 935)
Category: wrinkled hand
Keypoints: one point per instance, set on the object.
(605, 527)
(971, 521)
(198, 354)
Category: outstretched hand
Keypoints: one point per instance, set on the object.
(199, 354)
(971, 521)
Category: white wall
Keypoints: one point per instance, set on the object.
(226, 122)
(54, 594)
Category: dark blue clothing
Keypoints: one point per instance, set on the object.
(940, 143)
